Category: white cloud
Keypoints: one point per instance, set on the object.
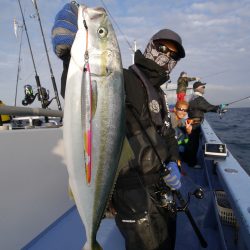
(216, 7)
(242, 50)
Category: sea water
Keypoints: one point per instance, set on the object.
(233, 128)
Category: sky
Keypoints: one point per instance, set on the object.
(215, 35)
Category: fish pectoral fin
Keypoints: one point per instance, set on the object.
(126, 155)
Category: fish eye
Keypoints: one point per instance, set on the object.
(102, 32)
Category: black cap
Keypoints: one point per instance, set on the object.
(198, 84)
(170, 35)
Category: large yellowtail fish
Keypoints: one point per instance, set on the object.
(94, 118)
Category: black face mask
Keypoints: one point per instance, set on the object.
(160, 58)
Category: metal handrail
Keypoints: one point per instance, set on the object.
(25, 111)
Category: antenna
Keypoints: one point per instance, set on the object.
(32, 57)
(133, 52)
(47, 54)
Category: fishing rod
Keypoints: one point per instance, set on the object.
(222, 111)
(224, 71)
(47, 54)
(40, 96)
(198, 194)
(19, 57)
(188, 88)
(242, 99)
(217, 73)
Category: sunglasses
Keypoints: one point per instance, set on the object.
(181, 109)
(165, 50)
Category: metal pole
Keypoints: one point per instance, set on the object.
(19, 62)
(23, 111)
(36, 76)
(133, 52)
(47, 54)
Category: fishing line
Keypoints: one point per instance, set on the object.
(42, 93)
(242, 99)
(19, 63)
(32, 57)
(39, 61)
(125, 38)
(213, 74)
(224, 71)
(47, 54)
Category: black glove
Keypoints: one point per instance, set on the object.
(64, 30)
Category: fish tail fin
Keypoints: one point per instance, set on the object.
(94, 246)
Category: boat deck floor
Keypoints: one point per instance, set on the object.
(68, 232)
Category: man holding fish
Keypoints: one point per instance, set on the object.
(118, 106)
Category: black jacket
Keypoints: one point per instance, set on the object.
(146, 161)
(198, 105)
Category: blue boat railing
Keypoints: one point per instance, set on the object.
(236, 183)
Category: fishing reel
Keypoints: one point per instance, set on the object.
(198, 194)
(221, 112)
(167, 200)
(29, 96)
(167, 196)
